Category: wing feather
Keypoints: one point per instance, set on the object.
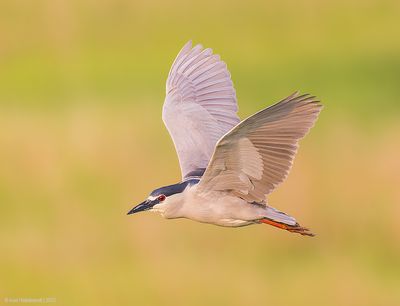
(255, 157)
(200, 105)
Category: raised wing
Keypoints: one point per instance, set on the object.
(256, 156)
(200, 106)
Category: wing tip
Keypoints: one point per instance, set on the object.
(188, 44)
(296, 97)
(186, 48)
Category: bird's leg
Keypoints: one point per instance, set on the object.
(291, 228)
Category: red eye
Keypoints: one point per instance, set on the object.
(161, 197)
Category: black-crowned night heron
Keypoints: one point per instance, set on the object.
(228, 167)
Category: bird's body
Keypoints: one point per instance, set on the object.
(213, 208)
(228, 167)
(224, 211)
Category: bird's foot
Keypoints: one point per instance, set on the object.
(291, 228)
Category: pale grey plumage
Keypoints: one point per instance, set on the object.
(200, 105)
(256, 155)
(243, 162)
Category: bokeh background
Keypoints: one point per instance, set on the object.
(81, 141)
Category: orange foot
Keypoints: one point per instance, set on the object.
(291, 228)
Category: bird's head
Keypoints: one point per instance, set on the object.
(160, 198)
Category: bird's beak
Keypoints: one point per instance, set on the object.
(141, 207)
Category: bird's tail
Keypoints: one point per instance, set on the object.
(283, 221)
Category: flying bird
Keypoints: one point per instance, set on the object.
(228, 166)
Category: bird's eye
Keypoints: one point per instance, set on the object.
(161, 197)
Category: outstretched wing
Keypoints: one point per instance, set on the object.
(200, 106)
(256, 156)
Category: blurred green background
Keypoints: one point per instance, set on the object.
(81, 141)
